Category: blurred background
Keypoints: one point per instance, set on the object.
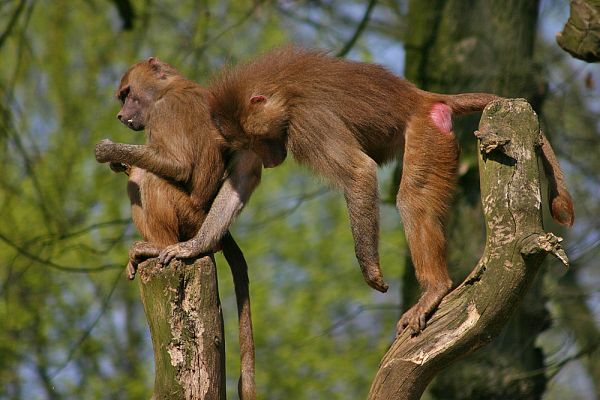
(72, 326)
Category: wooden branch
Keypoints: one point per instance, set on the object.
(580, 36)
(473, 314)
(358, 31)
(182, 305)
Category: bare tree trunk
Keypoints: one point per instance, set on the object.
(183, 309)
(473, 314)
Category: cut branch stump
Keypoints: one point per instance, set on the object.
(183, 309)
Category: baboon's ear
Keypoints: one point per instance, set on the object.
(257, 99)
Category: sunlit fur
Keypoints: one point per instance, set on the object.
(343, 118)
(183, 145)
(187, 157)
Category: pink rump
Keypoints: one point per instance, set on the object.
(441, 115)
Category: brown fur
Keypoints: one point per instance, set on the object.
(175, 177)
(342, 119)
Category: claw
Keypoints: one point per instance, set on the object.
(167, 254)
(162, 258)
(415, 319)
(131, 270)
(422, 321)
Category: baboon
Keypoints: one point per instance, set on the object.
(342, 119)
(170, 200)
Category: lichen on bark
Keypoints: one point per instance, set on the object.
(182, 306)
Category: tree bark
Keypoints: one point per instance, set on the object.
(183, 309)
(473, 314)
(491, 50)
(580, 36)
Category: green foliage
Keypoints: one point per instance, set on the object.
(71, 326)
(320, 331)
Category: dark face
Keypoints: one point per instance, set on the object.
(134, 112)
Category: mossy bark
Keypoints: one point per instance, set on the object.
(580, 36)
(183, 309)
(473, 314)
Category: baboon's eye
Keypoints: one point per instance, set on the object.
(124, 93)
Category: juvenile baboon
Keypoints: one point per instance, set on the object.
(174, 178)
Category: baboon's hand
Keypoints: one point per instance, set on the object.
(120, 167)
(104, 150)
(188, 249)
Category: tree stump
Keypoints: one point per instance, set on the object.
(182, 305)
(473, 314)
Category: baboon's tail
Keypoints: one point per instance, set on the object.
(466, 103)
(239, 269)
(561, 203)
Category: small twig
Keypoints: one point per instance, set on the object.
(359, 30)
(350, 316)
(86, 333)
(556, 367)
(289, 210)
(12, 22)
(54, 265)
(198, 50)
